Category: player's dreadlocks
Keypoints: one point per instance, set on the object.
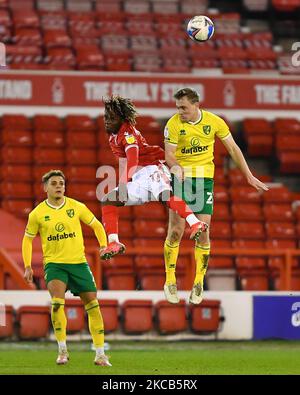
(124, 108)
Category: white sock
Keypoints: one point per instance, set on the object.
(192, 219)
(99, 351)
(113, 237)
(62, 345)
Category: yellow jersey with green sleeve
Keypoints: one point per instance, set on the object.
(195, 142)
(60, 230)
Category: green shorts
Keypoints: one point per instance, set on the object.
(78, 277)
(198, 193)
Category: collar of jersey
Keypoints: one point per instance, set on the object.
(198, 120)
(56, 207)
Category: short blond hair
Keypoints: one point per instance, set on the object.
(52, 173)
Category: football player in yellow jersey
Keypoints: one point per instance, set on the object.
(57, 220)
(189, 147)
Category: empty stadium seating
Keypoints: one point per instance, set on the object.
(205, 318)
(170, 318)
(75, 314)
(110, 314)
(137, 316)
(87, 36)
(34, 322)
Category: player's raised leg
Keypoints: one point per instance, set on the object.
(110, 219)
(202, 252)
(171, 250)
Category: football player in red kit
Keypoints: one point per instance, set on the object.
(144, 178)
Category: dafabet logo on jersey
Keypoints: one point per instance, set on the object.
(60, 227)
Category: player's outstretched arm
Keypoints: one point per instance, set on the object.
(238, 157)
(99, 232)
(27, 256)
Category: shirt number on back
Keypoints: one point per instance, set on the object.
(209, 198)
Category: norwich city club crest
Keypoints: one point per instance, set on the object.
(206, 129)
(70, 213)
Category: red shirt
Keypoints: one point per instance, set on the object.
(128, 136)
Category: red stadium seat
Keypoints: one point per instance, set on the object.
(16, 190)
(278, 194)
(281, 243)
(220, 243)
(246, 212)
(248, 230)
(170, 318)
(221, 194)
(286, 5)
(150, 228)
(220, 230)
(144, 242)
(221, 212)
(74, 311)
(115, 62)
(244, 262)
(9, 172)
(17, 138)
(151, 280)
(295, 280)
(7, 322)
(147, 62)
(278, 212)
(137, 316)
(81, 139)
(152, 210)
(287, 142)
(289, 162)
(136, 6)
(82, 191)
(257, 126)
(254, 280)
(34, 322)
(49, 139)
(49, 156)
(287, 125)
(280, 230)
(248, 243)
(110, 313)
(16, 156)
(220, 177)
(16, 122)
(56, 38)
(117, 279)
(106, 157)
(79, 123)
(78, 156)
(275, 263)
(81, 173)
(20, 208)
(109, 6)
(220, 262)
(259, 145)
(47, 123)
(244, 194)
(205, 318)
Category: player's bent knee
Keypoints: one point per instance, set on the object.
(175, 236)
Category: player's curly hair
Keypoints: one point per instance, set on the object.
(123, 107)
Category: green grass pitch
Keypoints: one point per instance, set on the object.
(156, 358)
